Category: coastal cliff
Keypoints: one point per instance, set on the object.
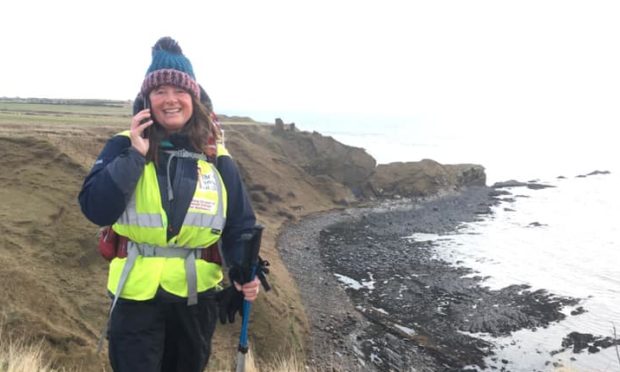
(54, 282)
(291, 174)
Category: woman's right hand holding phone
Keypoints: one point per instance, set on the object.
(139, 123)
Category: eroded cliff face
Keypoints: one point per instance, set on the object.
(422, 178)
(324, 157)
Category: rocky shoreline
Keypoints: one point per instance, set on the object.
(377, 301)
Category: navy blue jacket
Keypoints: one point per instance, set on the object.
(113, 178)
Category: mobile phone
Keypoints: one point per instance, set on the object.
(147, 106)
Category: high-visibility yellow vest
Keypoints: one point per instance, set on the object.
(144, 223)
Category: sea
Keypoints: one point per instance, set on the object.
(564, 239)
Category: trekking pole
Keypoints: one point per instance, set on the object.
(251, 264)
(242, 349)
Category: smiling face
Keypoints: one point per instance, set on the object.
(171, 107)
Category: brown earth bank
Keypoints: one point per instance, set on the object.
(53, 281)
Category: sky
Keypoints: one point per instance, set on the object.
(463, 65)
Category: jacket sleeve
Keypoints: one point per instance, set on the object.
(240, 216)
(111, 181)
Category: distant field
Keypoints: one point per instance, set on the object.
(34, 117)
(61, 116)
(65, 108)
(78, 114)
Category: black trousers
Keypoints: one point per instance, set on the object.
(160, 335)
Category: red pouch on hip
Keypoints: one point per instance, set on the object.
(108, 239)
(111, 244)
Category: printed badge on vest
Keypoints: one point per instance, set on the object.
(207, 182)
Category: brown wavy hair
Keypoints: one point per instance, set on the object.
(199, 129)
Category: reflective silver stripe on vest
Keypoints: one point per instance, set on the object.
(131, 217)
(142, 219)
(200, 219)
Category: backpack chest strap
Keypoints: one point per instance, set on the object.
(147, 250)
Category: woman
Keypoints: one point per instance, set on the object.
(170, 193)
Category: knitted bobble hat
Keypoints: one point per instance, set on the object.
(169, 67)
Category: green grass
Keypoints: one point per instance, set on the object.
(73, 114)
(67, 109)
(34, 118)
(35, 111)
